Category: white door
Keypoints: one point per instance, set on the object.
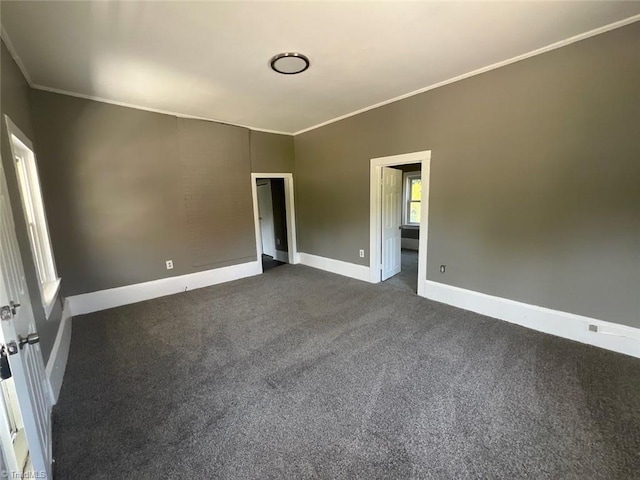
(25, 409)
(265, 212)
(391, 222)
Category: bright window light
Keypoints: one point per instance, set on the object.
(413, 198)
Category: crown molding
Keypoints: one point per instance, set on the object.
(518, 58)
(524, 56)
(153, 110)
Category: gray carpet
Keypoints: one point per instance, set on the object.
(300, 373)
(407, 279)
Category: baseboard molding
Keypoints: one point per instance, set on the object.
(282, 256)
(359, 272)
(115, 297)
(611, 336)
(410, 243)
(57, 363)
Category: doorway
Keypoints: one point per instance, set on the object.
(399, 215)
(274, 218)
(401, 246)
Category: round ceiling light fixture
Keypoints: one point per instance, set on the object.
(289, 63)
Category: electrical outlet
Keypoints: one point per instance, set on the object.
(593, 328)
(443, 268)
(169, 264)
(361, 253)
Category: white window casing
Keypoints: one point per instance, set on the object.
(35, 218)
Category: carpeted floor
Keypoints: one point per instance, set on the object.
(407, 279)
(299, 373)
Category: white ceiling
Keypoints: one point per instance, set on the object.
(210, 59)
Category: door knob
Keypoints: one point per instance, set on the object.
(31, 339)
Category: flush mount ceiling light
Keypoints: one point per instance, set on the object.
(289, 63)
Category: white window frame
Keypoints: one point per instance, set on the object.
(406, 209)
(26, 167)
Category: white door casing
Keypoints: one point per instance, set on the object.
(391, 222)
(375, 213)
(25, 358)
(267, 227)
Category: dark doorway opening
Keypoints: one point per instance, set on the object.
(273, 222)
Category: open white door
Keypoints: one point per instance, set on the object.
(391, 222)
(25, 405)
(265, 209)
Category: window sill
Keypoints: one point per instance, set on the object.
(411, 226)
(49, 296)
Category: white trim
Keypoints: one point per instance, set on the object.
(152, 110)
(359, 272)
(114, 297)
(50, 295)
(524, 56)
(611, 336)
(14, 54)
(57, 363)
(47, 287)
(375, 212)
(292, 253)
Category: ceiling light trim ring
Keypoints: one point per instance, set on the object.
(280, 56)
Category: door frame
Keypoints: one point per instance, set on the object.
(289, 197)
(375, 213)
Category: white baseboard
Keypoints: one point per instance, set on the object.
(281, 256)
(611, 336)
(57, 363)
(115, 297)
(410, 243)
(359, 272)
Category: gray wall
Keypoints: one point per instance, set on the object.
(534, 178)
(271, 153)
(15, 102)
(128, 189)
(217, 187)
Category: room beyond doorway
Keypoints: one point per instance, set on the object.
(407, 279)
(399, 216)
(274, 217)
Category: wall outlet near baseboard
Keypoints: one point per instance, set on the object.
(169, 264)
(361, 253)
(443, 268)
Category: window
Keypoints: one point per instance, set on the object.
(413, 197)
(31, 195)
